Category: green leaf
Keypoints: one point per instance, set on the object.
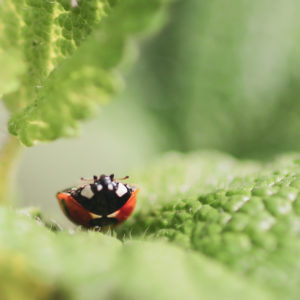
(47, 32)
(90, 265)
(243, 214)
(11, 70)
(12, 66)
(205, 69)
(68, 73)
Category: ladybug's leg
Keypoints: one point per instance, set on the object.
(102, 222)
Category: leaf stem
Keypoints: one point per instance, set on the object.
(8, 158)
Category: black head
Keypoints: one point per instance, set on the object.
(104, 180)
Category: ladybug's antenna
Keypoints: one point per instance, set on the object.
(86, 181)
(112, 177)
(124, 178)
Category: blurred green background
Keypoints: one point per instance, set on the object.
(221, 75)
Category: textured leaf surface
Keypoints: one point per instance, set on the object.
(240, 213)
(70, 53)
(90, 265)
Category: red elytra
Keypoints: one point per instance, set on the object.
(127, 209)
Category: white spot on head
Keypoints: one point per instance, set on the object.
(99, 187)
(87, 192)
(121, 190)
(110, 187)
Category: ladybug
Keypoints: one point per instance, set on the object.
(99, 202)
